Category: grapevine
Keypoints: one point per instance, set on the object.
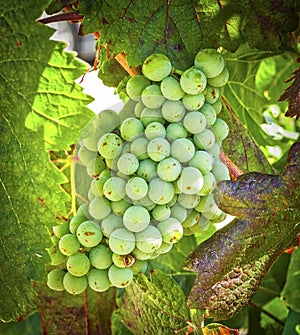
(151, 175)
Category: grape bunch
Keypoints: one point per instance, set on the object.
(151, 171)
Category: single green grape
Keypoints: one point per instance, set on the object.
(147, 169)
(202, 160)
(160, 192)
(136, 188)
(68, 244)
(173, 111)
(188, 201)
(148, 240)
(78, 264)
(120, 277)
(149, 115)
(171, 89)
(85, 155)
(155, 129)
(131, 128)
(122, 241)
(99, 208)
(194, 122)
(100, 257)
(98, 280)
(158, 149)
(61, 229)
(182, 149)
(193, 81)
(110, 145)
(193, 102)
(171, 230)
(95, 166)
(161, 212)
(139, 147)
(136, 218)
(74, 285)
(169, 169)
(112, 222)
(210, 61)
(220, 129)
(190, 180)
(119, 207)
(135, 86)
(55, 279)
(127, 164)
(175, 130)
(114, 189)
(89, 234)
(204, 140)
(156, 67)
(152, 97)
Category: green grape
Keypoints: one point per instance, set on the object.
(147, 169)
(173, 111)
(194, 122)
(135, 86)
(119, 207)
(212, 94)
(112, 221)
(206, 203)
(61, 229)
(158, 149)
(182, 149)
(140, 255)
(204, 140)
(139, 147)
(68, 244)
(201, 225)
(171, 230)
(139, 266)
(161, 212)
(83, 210)
(136, 188)
(128, 163)
(168, 169)
(215, 151)
(90, 195)
(89, 234)
(99, 208)
(219, 80)
(136, 218)
(95, 166)
(149, 115)
(78, 264)
(209, 184)
(139, 107)
(171, 89)
(107, 120)
(145, 202)
(220, 129)
(156, 67)
(120, 277)
(55, 279)
(100, 257)
(216, 215)
(74, 285)
(164, 248)
(191, 219)
(110, 145)
(155, 129)
(188, 231)
(193, 102)
(218, 106)
(220, 171)
(131, 128)
(160, 191)
(91, 141)
(56, 256)
(188, 201)
(193, 81)
(114, 188)
(85, 155)
(210, 61)
(173, 201)
(111, 164)
(190, 180)
(75, 222)
(210, 114)
(118, 260)
(98, 280)
(175, 130)
(97, 184)
(122, 241)
(148, 240)
(178, 212)
(127, 146)
(152, 96)
(202, 160)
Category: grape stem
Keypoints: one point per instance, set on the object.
(234, 170)
(121, 59)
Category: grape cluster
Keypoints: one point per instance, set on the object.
(152, 175)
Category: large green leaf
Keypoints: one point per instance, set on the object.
(30, 196)
(180, 28)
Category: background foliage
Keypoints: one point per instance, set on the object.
(43, 112)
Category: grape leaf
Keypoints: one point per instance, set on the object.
(231, 264)
(218, 329)
(151, 307)
(292, 94)
(30, 196)
(62, 313)
(179, 29)
(291, 290)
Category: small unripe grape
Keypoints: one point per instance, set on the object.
(156, 67)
